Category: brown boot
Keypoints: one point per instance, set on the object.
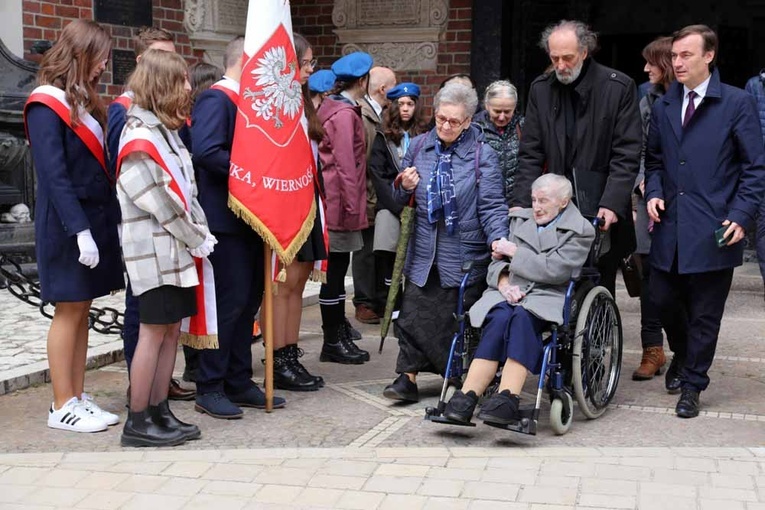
(651, 364)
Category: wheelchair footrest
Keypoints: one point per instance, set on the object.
(527, 423)
(446, 421)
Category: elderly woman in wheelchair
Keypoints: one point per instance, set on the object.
(528, 278)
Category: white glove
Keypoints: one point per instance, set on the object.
(88, 249)
(204, 249)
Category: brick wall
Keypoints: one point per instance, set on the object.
(313, 19)
(43, 20)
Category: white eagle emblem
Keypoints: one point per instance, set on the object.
(280, 94)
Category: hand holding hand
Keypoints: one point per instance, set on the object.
(88, 249)
(410, 178)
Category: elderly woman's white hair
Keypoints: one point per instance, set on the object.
(559, 184)
(500, 89)
(457, 94)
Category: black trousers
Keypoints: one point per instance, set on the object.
(368, 285)
(238, 265)
(693, 305)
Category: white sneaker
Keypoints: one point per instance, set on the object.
(73, 417)
(90, 406)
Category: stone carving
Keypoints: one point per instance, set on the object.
(211, 24)
(409, 56)
(19, 213)
(401, 34)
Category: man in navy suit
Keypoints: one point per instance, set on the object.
(224, 377)
(705, 171)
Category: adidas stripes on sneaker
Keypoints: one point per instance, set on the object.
(75, 418)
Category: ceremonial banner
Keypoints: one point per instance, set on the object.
(272, 172)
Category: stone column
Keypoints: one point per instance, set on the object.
(211, 24)
(400, 34)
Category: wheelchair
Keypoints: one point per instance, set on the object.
(582, 357)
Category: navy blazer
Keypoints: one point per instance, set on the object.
(212, 133)
(73, 194)
(116, 116)
(709, 171)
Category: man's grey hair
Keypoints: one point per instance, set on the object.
(457, 94)
(234, 51)
(500, 89)
(588, 40)
(559, 184)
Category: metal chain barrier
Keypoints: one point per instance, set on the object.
(106, 320)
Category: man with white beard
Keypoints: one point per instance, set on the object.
(582, 121)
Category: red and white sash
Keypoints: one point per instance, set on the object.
(88, 130)
(125, 99)
(228, 87)
(201, 330)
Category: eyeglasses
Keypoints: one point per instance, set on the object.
(453, 123)
(310, 63)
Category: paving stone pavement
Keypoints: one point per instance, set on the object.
(347, 447)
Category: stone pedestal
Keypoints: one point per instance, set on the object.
(400, 34)
(211, 24)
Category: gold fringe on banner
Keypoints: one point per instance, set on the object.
(199, 341)
(285, 255)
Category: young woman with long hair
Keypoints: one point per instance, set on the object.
(76, 214)
(164, 229)
(289, 373)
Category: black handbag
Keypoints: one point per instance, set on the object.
(632, 271)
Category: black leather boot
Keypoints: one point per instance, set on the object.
(336, 347)
(295, 354)
(162, 415)
(352, 345)
(287, 376)
(141, 430)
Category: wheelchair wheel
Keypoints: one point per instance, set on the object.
(560, 421)
(597, 352)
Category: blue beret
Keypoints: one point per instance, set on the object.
(353, 66)
(321, 81)
(404, 89)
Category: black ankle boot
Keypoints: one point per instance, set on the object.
(295, 354)
(162, 415)
(287, 376)
(141, 430)
(352, 345)
(336, 347)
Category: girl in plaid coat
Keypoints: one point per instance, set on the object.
(163, 230)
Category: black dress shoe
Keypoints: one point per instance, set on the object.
(688, 405)
(461, 406)
(672, 377)
(402, 389)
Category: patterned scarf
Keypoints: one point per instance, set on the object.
(442, 197)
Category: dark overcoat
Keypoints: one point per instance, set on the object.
(607, 143)
(709, 171)
(73, 194)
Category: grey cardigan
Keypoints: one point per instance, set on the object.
(542, 266)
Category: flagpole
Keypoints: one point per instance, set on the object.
(268, 329)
